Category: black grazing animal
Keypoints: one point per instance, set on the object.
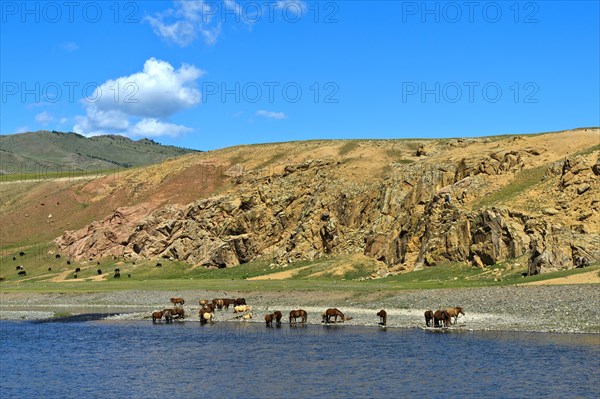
(117, 270)
(159, 264)
(49, 269)
(22, 273)
(117, 275)
(97, 263)
(68, 262)
(14, 258)
(77, 270)
(20, 267)
(74, 275)
(21, 253)
(57, 256)
(99, 271)
(129, 276)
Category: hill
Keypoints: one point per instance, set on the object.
(44, 153)
(525, 201)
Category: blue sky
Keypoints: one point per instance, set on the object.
(212, 74)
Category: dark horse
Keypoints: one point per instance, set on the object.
(382, 317)
(428, 317)
(269, 319)
(335, 313)
(441, 315)
(277, 314)
(300, 313)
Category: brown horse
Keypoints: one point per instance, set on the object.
(219, 304)
(157, 316)
(335, 313)
(269, 319)
(300, 313)
(441, 315)
(209, 306)
(454, 312)
(227, 302)
(382, 317)
(177, 312)
(277, 314)
(177, 301)
(428, 317)
(168, 316)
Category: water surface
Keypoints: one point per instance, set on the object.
(135, 359)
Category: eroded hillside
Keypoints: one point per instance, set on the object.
(406, 203)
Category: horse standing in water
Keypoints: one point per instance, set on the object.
(277, 314)
(382, 317)
(454, 312)
(428, 317)
(157, 316)
(300, 313)
(441, 315)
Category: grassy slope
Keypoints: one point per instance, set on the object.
(47, 152)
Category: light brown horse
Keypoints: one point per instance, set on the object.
(157, 316)
(177, 301)
(219, 304)
(428, 317)
(382, 317)
(335, 313)
(300, 313)
(441, 315)
(454, 312)
(277, 314)
(205, 315)
(203, 302)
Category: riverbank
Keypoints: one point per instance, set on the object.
(559, 308)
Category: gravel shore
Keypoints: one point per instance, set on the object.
(559, 308)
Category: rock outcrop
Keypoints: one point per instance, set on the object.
(418, 215)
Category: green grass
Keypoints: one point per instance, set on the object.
(179, 276)
(348, 147)
(523, 180)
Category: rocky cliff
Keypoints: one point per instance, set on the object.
(407, 204)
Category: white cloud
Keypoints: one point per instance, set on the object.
(63, 121)
(189, 20)
(271, 114)
(22, 129)
(158, 91)
(43, 118)
(69, 46)
(150, 127)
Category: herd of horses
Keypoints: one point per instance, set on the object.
(243, 311)
(443, 315)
